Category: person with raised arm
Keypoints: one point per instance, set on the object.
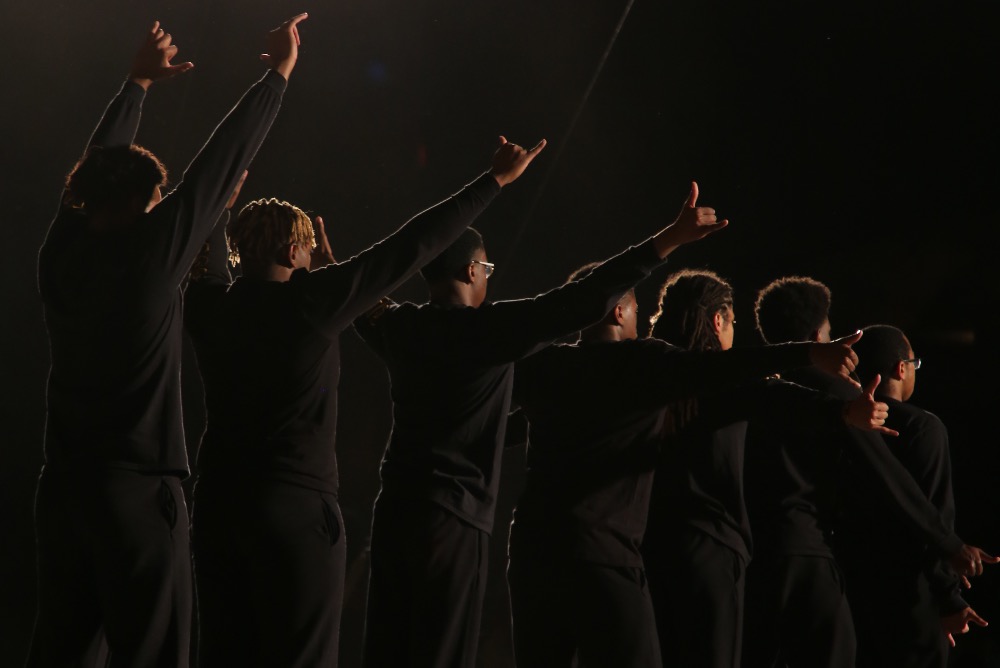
(269, 540)
(596, 409)
(796, 586)
(450, 364)
(905, 616)
(110, 516)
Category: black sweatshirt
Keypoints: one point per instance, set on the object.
(269, 351)
(596, 426)
(451, 370)
(113, 303)
(699, 480)
(922, 448)
(792, 485)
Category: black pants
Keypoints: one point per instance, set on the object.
(270, 559)
(896, 617)
(598, 615)
(697, 588)
(798, 613)
(426, 589)
(114, 559)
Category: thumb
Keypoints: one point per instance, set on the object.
(852, 339)
(692, 199)
(503, 140)
(872, 384)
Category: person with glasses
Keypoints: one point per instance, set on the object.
(907, 615)
(269, 538)
(451, 369)
(110, 516)
(795, 585)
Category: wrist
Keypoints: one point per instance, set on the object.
(141, 81)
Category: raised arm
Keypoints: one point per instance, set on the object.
(342, 292)
(187, 214)
(517, 328)
(151, 63)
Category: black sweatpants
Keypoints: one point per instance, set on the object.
(697, 587)
(565, 609)
(114, 559)
(426, 588)
(270, 559)
(798, 612)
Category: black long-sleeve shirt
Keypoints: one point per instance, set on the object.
(699, 480)
(869, 528)
(451, 371)
(269, 351)
(596, 425)
(792, 485)
(113, 304)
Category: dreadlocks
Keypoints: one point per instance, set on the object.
(686, 318)
(266, 225)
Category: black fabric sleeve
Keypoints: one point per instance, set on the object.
(514, 329)
(183, 219)
(889, 479)
(120, 122)
(337, 294)
(930, 465)
(661, 372)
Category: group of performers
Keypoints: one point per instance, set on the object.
(609, 564)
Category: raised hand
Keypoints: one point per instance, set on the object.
(693, 223)
(322, 255)
(510, 160)
(836, 357)
(152, 61)
(283, 46)
(867, 413)
(969, 560)
(958, 622)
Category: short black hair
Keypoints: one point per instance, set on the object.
(587, 269)
(689, 300)
(113, 175)
(791, 309)
(453, 258)
(880, 348)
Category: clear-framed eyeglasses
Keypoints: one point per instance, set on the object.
(488, 267)
(915, 362)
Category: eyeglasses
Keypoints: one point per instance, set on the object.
(915, 362)
(488, 267)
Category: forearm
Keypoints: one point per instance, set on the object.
(209, 181)
(120, 122)
(890, 480)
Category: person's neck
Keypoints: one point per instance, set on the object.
(447, 295)
(268, 272)
(892, 389)
(599, 333)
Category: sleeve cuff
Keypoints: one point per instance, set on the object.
(275, 81)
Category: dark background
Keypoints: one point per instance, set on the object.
(853, 142)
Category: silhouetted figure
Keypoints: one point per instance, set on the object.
(112, 525)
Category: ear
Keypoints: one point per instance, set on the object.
(469, 273)
(717, 322)
(286, 256)
(899, 371)
(618, 314)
